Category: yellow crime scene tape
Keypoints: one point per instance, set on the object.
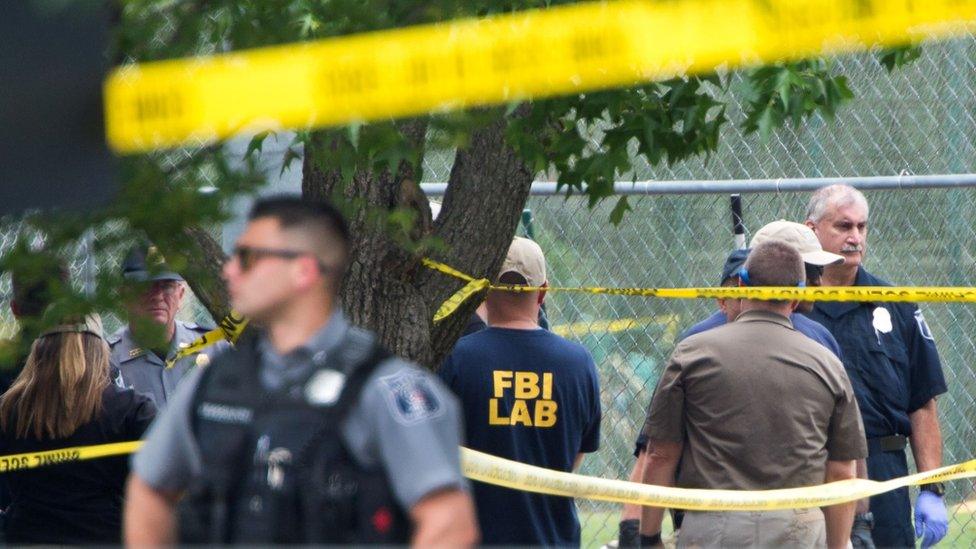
(512, 474)
(468, 62)
(229, 329)
(939, 294)
(580, 329)
(31, 460)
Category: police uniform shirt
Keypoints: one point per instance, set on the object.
(405, 420)
(144, 371)
(890, 356)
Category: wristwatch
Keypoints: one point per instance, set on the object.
(937, 488)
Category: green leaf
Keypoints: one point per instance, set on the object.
(354, 131)
(257, 143)
(897, 57)
(622, 207)
(783, 85)
(291, 155)
(767, 122)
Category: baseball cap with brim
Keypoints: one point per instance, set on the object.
(800, 237)
(733, 263)
(89, 324)
(525, 257)
(136, 267)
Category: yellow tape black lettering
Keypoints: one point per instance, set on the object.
(469, 62)
(831, 293)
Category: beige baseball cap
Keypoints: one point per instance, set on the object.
(800, 237)
(525, 258)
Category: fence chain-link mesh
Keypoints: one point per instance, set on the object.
(918, 119)
(917, 237)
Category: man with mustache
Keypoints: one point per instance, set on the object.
(890, 356)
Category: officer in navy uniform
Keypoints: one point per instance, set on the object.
(156, 296)
(308, 431)
(891, 359)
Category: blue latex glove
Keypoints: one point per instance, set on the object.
(931, 518)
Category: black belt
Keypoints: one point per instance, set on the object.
(892, 443)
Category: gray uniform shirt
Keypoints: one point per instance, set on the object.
(405, 420)
(145, 372)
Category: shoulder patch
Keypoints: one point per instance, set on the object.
(923, 327)
(410, 397)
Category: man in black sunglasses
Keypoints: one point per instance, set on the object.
(308, 431)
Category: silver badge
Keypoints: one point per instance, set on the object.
(325, 387)
(882, 320)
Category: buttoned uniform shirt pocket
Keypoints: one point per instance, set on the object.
(891, 375)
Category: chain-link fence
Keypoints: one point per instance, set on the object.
(920, 118)
(917, 237)
(917, 119)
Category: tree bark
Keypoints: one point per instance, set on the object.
(386, 289)
(205, 260)
(486, 192)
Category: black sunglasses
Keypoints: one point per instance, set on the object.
(248, 256)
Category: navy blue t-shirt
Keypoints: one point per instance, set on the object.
(533, 397)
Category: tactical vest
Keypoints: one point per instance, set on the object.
(275, 467)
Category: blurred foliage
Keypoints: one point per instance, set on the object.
(164, 192)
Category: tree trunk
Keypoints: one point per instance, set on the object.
(386, 288)
(205, 260)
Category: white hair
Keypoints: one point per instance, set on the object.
(836, 196)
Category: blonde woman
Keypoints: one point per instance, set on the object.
(64, 397)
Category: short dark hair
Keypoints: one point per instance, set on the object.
(320, 217)
(775, 263)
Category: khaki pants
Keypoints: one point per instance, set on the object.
(790, 528)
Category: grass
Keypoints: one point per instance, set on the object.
(599, 527)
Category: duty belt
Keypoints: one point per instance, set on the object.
(891, 443)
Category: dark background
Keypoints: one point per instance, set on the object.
(52, 63)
